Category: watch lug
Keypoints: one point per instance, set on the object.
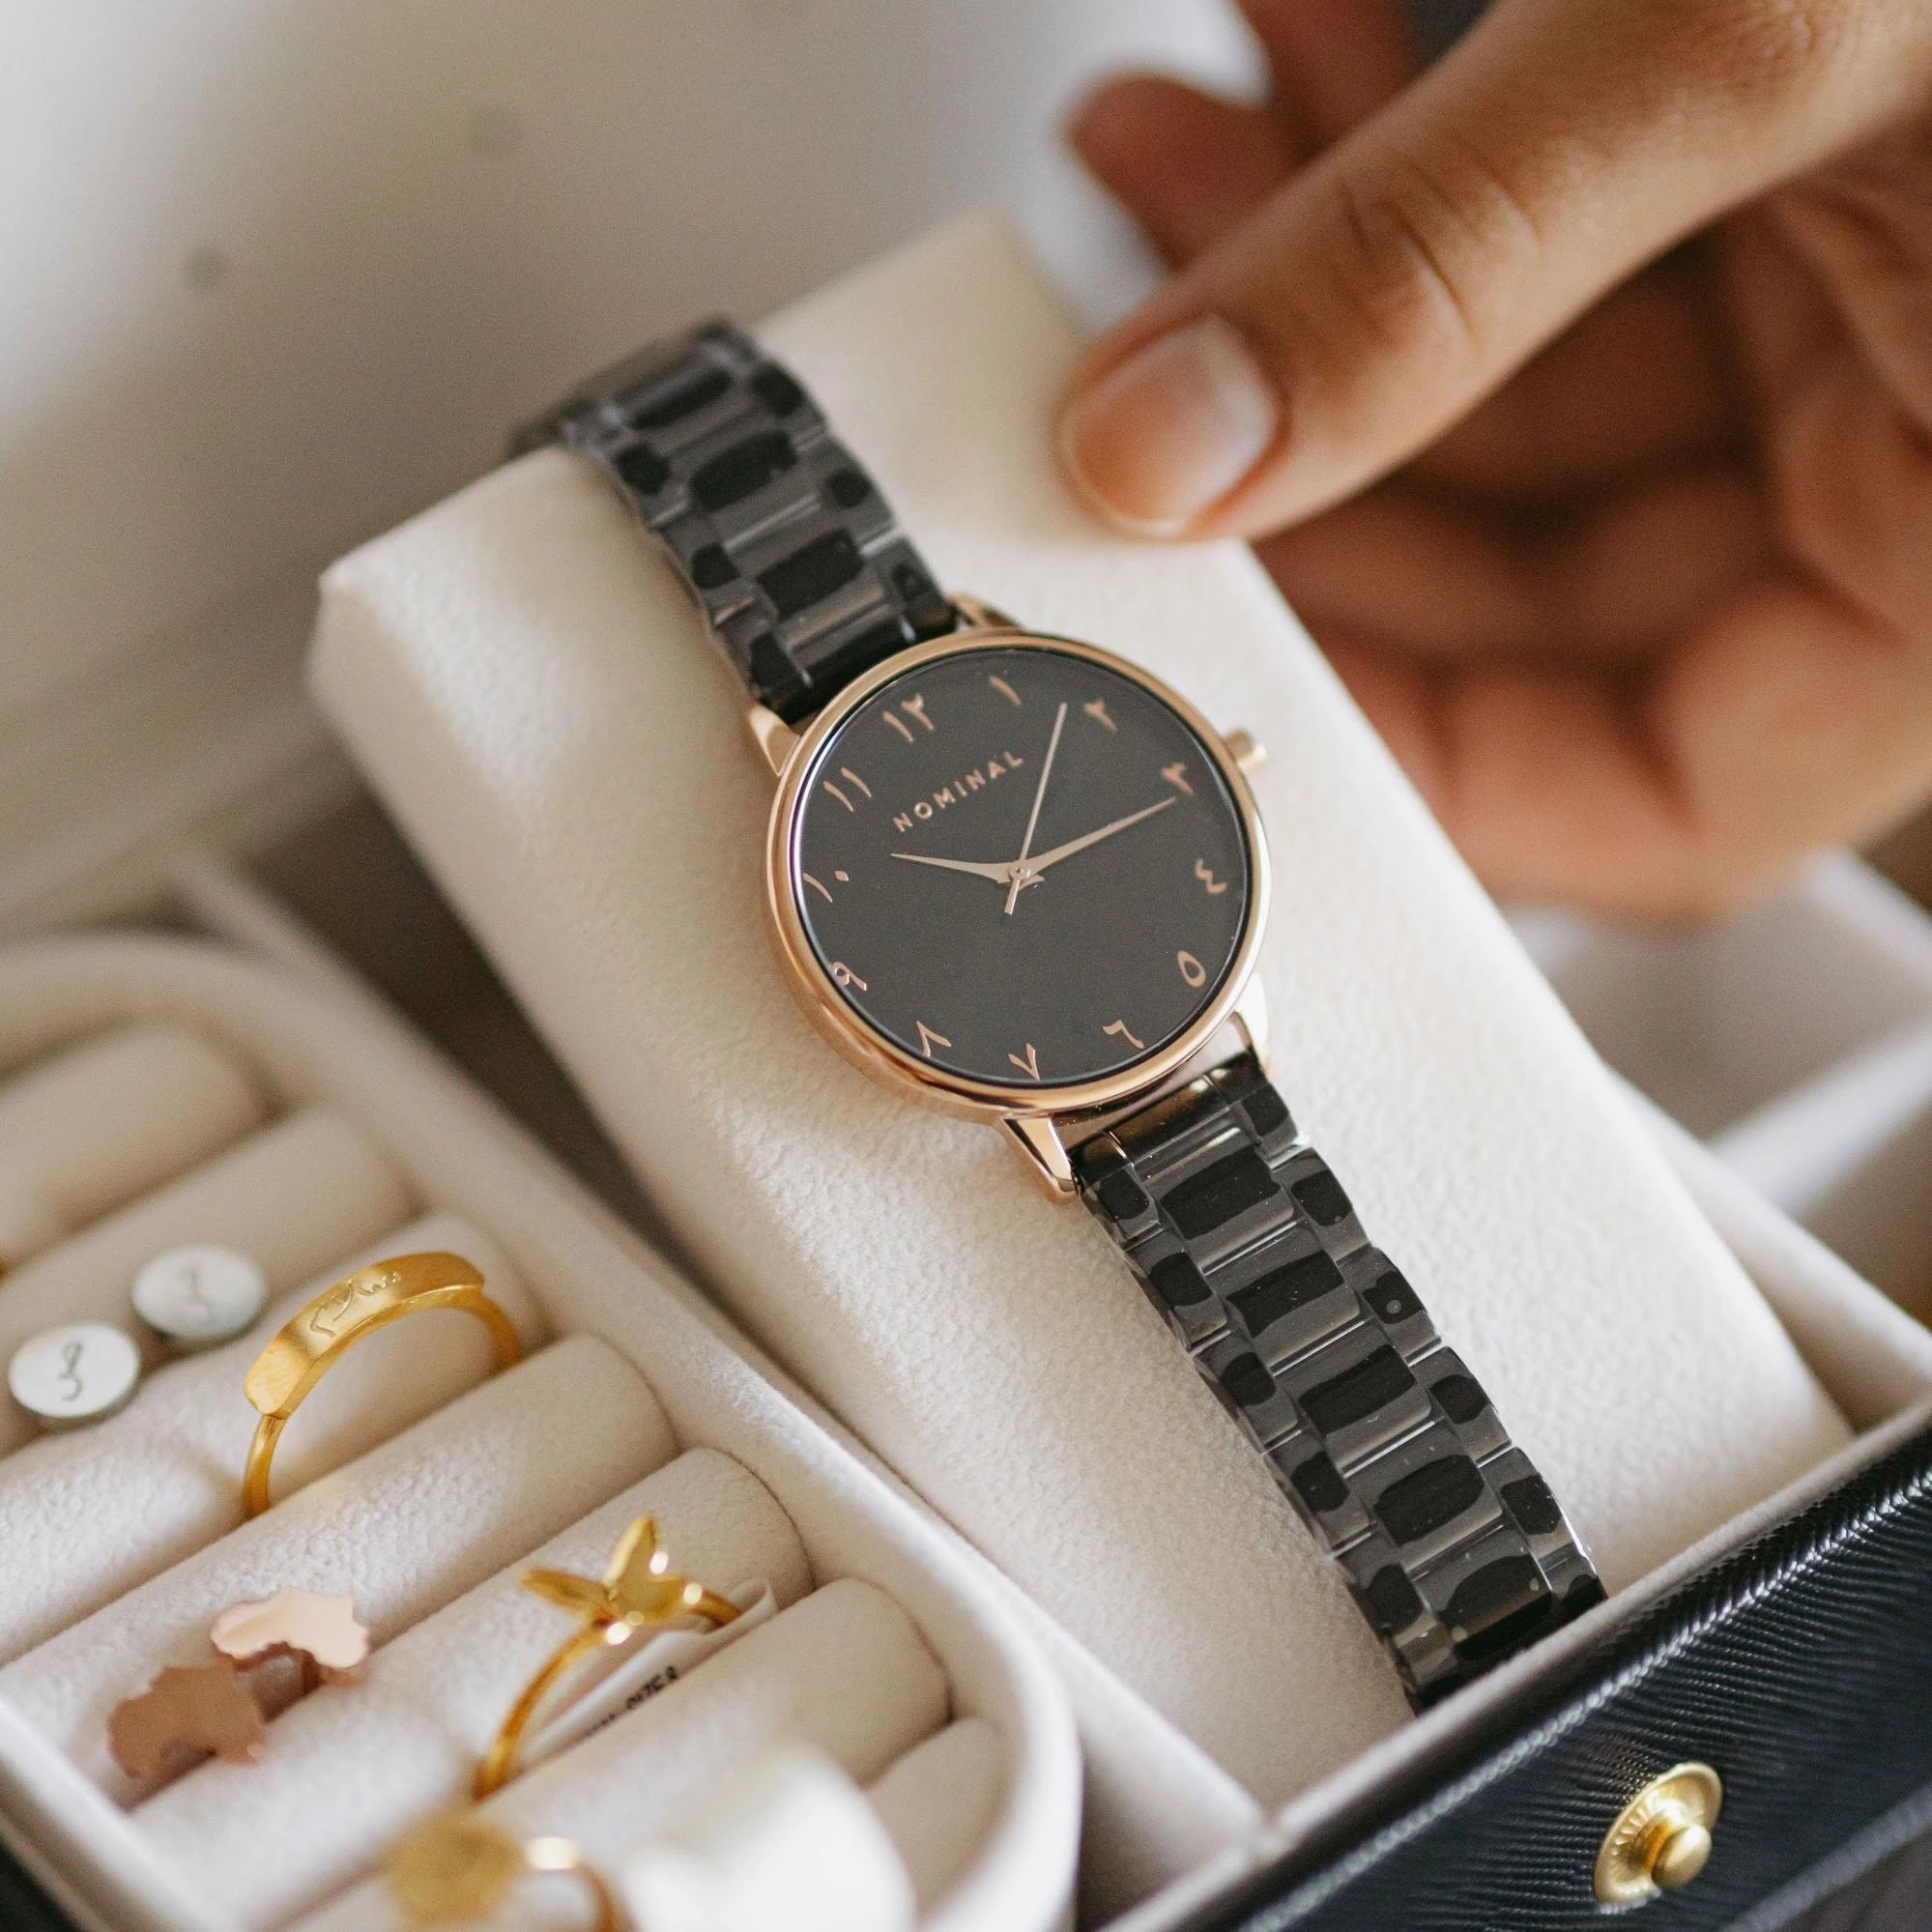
(1038, 1140)
(775, 738)
(1251, 1015)
(979, 615)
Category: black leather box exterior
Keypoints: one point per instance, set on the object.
(1800, 1666)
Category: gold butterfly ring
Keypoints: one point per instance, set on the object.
(309, 1345)
(640, 1593)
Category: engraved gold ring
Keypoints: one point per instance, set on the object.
(640, 1592)
(308, 1345)
(460, 1867)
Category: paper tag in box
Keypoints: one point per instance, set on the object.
(636, 1675)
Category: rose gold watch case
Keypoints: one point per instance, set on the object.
(907, 1074)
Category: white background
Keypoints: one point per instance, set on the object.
(273, 275)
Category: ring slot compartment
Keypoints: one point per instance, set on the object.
(405, 1528)
(293, 1197)
(558, 1264)
(348, 1762)
(89, 1514)
(845, 1671)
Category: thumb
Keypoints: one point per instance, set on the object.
(1388, 288)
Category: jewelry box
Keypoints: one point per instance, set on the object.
(589, 840)
(163, 773)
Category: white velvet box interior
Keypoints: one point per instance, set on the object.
(534, 695)
(405, 1740)
(424, 1517)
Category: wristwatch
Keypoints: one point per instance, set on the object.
(1015, 877)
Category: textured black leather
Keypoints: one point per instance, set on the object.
(1801, 1666)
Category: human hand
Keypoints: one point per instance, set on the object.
(1580, 393)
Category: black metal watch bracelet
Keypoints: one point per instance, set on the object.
(1456, 1550)
(780, 534)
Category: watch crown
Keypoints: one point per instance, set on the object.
(1242, 748)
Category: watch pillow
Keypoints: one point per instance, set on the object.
(530, 688)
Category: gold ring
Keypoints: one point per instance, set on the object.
(638, 1592)
(305, 1350)
(460, 1866)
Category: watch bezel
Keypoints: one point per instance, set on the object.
(883, 1059)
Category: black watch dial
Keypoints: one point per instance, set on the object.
(1022, 866)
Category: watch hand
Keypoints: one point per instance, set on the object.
(1058, 853)
(1018, 873)
(1015, 872)
(998, 873)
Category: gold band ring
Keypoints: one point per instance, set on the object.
(306, 1348)
(460, 1866)
(640, 1592)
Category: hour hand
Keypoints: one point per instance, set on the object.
(999, 873)
(1043, 860)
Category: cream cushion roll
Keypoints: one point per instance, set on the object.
(87, 1514)
(91, 1126)
(937, 1801)
(404, 1529)
(263, 1841)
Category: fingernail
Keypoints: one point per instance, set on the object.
(1166, 434)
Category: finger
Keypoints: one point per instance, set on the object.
(1865, 227)
(1853, 477)
(1336, 61)
(1186, 166)
(1402, 276)
(1436, 578)
(1638, 383)
(1789, 722)
(1781, 317)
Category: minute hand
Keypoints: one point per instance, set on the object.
(1042, 860)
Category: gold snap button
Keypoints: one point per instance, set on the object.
(1661, 1838)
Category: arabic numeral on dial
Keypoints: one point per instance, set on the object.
(843, 976)
(1191, 969)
